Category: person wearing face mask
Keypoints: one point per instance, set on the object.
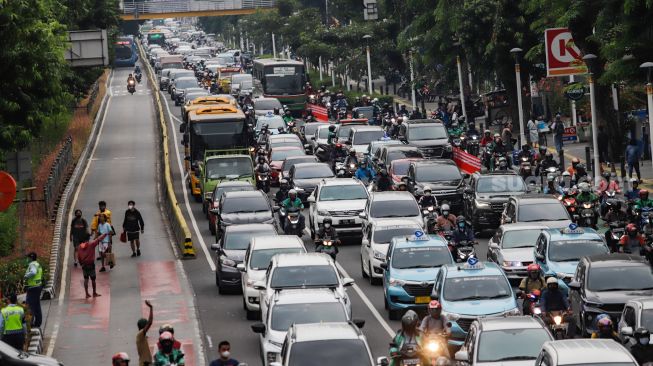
(167, 354)
(642, 350)
(225, 356)
(78, 231)
(534, 281)
(446, 221)
(427, 200)
(133, 226)
(327, 231)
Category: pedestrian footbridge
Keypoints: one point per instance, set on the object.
(136, 10)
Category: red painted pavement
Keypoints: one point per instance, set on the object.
(100, 308)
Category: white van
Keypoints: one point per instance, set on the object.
(242, 84)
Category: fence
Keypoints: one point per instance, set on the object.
(59, 172)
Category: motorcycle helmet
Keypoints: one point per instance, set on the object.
(427, 191)
(605, 325)
(409, 322)
(631, 230)
(552, 282)
(460, 222)
(642, 336)
(565, 173)
(332, 128)
(584, 187)
(120, 358)
(435, 308)
(283, 183)
(525, 147)
(487, 133)
(497, 136)
(327, 222)
(261, 160)
(287, 112)
(643, 194)
(634, 182)
(575, 162)
(352, 152)
(533, 268)
(444, 209)
(549, 156)
(293, 193)
(543, 150)
(166, 328)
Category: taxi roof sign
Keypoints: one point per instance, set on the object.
(572, 229)
(473, 263)
(418, 236)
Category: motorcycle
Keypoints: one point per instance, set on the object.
(429, 215)
(131, 86)
(614, 234)
(263, 182)
(605, 196)
(435, 348)
(525, 168)
(569, 201)
(588, 217)
(432, 351)
(645, 215)
(138, 77)
(342, 113)
(531, 304)
(558, 324)
(472, 145)
(326, 246)
(292, 226)
(464, 250)
(500, 162)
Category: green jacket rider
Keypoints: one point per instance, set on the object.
(643, 200)
(168, 355)
(292, 200)
(331, 137)
(585, 194)
(408, 334)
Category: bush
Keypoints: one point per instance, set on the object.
(12, 274)
(8, 231)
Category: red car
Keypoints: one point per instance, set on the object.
(278, 155)
(399, 169)
(213, 203)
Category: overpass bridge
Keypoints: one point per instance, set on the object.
(138, 10)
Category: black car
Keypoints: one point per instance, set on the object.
(230, 251)
(211, 206)
(245, 207)
(430, 136)
(486, 194)
(304, 177)
(604, 283)
(387, 153)
(442, 176)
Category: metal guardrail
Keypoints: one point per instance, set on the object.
(58, 172)
(178, 6)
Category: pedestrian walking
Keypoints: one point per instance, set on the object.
(12, 324)
(225, 356)
(86, 258)
(142, 346)
(78, 231)
(105, 243)
(133, 226)
(34, 285)
(532, 131)
(103, 210)
(558, 130)
(603, 142)
(633, 154)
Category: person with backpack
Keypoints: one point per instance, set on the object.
(558, 131)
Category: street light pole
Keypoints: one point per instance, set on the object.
(369, 64)
(574, 117)
(462, 88)
(412, 79)
(589, 60)
(320, 63)
(522, 136)
(274, 47)
(649, 98)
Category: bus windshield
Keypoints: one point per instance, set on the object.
(216, 135)
(277, 84)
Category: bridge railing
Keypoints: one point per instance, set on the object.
(177, 6)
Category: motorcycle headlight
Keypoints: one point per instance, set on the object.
(396, 282)
(322, 212)
(557, 319)
(537, 311)
(433, 346)
(227, 262)
(379, 255)
(587, 205)
(481, 204)
(511, 264)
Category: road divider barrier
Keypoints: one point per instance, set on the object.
(466, 162)
(180, 230)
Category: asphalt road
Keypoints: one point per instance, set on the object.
(123, 168)
(222, 316)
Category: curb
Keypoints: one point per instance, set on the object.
(50, 288)
(36, 341)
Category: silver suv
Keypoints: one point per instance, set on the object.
(342, 200)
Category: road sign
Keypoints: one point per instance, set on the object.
(575, 91)
(570, 134)
(563, 58)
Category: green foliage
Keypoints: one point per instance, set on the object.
(8, 231)
(12, 274)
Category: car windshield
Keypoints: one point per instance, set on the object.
(350, 352)
(239, 240)
(323, 133)
(427, 131)
(260, 259)
(283, 316)
(501, 184)
(185, 83)
(420, 257)
(403, 154)
(245, 205)
(313, 171)
(542, 212)
(304, 276)
(520, 238)
(310, 128)
(394, 208)
(222, 167)
(220, 190)
(281, 143)
(573, 250)
(267, 105)
(342, 193)
(400, 167)
(376, 146)
(612, 278)
(288, 163)
(365, 137)
(525, 344)
(438, 173)
(283, 154)
(647, 319)
(272, 122)
(476, 288)
(384, 236)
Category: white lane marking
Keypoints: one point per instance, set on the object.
(172, 115)
(209, 341)
(368, 303)
(64, 273)
(198, 234)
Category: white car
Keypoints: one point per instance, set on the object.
(301, 270)
(588, 352)
(375, 243)
(342, 200)
(360, 138)
(511, 248)
(299, 306)
(391, 205)
(257, 259)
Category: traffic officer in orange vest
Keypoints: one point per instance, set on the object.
(12, 324)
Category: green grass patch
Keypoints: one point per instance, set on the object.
(8, 230)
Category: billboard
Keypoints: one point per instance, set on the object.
(88, 48)
(563, 58)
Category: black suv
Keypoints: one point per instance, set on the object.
(386, 154)
(541, 208)
(604, 283)
(430, 136)
(442, 176)
(486, 194)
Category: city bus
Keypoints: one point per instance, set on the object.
(125, 54)
(284, 80)
(156, 36)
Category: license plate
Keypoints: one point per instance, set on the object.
(422, 299)
(346, 222)
(410, 361)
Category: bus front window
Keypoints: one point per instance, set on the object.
(283, 84)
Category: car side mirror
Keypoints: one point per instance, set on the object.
(241, 267)
(382, 361)
(462, 356)
(626, 331)
(507, 220)
(259, 328)
(311, 199)
(182, 128)
(360, 323)
(574, 285)
(347, 281)
(362, 215)
(365, 242)
(259, 285)
(495, 246)
(215, 247)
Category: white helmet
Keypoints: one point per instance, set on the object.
(444, 208)
(427, 188)
(584, 187)
(292, 191)
(551, 280)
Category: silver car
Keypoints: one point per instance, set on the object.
(511, 248)
(388, 206)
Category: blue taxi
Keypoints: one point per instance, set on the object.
(409, 270)
(558, 251)
(472, 290)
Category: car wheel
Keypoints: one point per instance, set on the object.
(205, 210)
(385, 302)
(244, 304)
(363, 268)
(583, 326)
(373, 281)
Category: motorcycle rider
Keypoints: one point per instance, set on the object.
(120, 359)
(608, 183)
(585, 194)
(633, 193)
(573, 168)
(614, 214)
(168, 355)
(364, 173)
(471, 130)
(351, 158)
(282, 193)
(533, 281)
(462, 232)
(605, 330)
(327, 231)
(262, 167)
(408, 334)
(292, 214)
(546, 163)
(403, 111)
(642, 350)
(497, 147)
(427, 200)
(446, 221)
(525, 152)
(631, 240)
(332, 136)
(643, 200)
(287, 117)
(292, 201)
(383, 181)
(554, 300)
(551, 187)
(434, 322)
(486, 139)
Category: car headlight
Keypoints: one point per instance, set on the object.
(274, 343)
(452, 317)
(227, 262)
(481, 204)
(322, 212)
(379, 255)
(511, 264)
(514, 311)
(250, 283)
(396, 282)
(271, 356)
